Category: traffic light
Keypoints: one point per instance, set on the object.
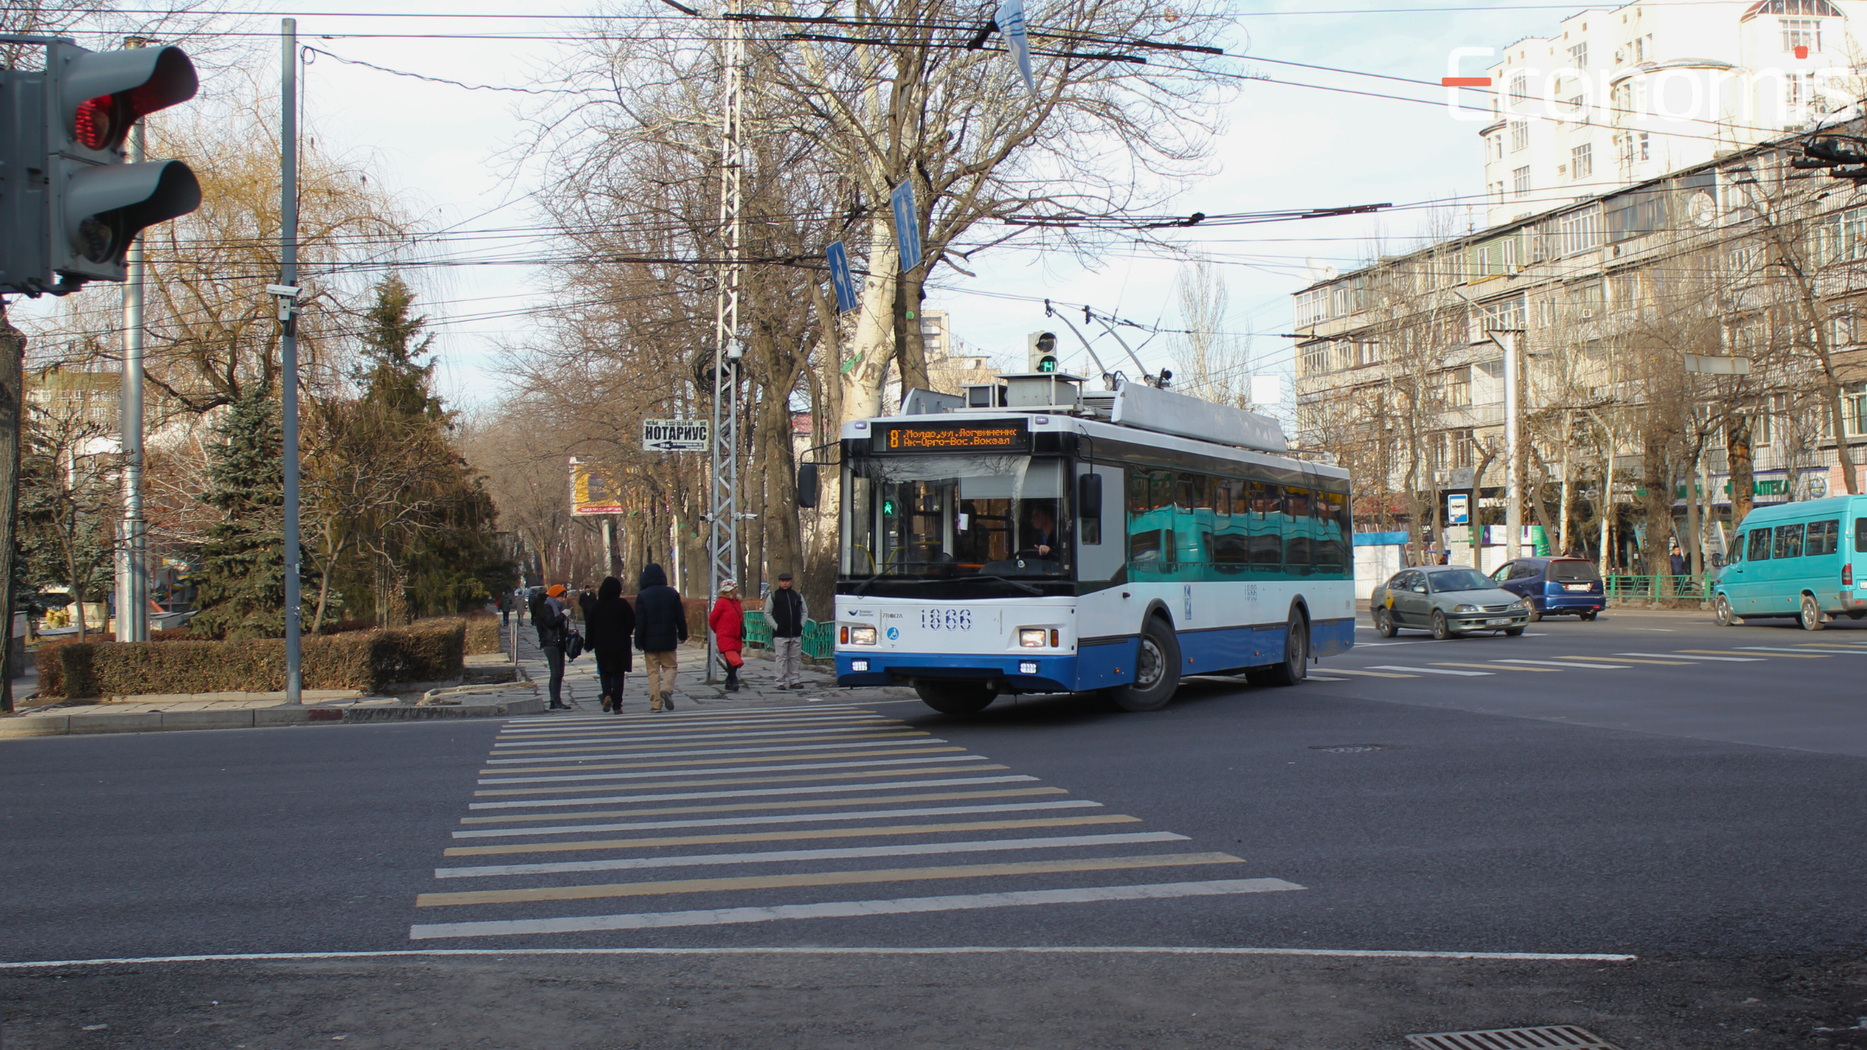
(1043, 351)
(69, 204)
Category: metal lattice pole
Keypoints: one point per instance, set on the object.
(723, 542)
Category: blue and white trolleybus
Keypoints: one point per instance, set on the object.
(1054, 540)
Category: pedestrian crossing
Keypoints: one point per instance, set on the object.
(1620, 661)
(584, 825)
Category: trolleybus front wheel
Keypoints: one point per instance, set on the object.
(955, 698)
(1156, 671)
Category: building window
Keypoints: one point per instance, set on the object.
(1519, 135)
(1519, 89)
(1315, 358)
(1578, 231)
(1582, 161)
(1802, 32)
(1854, 407)
(1520, 182)
(1510, 255)
(1578, 56)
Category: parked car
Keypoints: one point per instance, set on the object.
(1446, 600)
(1554, 586)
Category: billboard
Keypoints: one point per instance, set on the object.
(593, 490)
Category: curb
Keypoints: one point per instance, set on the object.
(250, 718)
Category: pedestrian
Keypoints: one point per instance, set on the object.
(660, 626)
(728, 620)
(503, 603)
(610, 623)
(518, 601)
(553, 626)
(585, 602)
(786, 612)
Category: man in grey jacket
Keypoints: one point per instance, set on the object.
(786, 612)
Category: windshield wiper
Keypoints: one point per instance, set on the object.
(1027, 588)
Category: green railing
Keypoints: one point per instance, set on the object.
(1662, 587)
(819, 637)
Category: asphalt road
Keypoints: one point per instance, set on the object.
(1647, 786)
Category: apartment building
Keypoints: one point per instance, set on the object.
(1622, 95)
(1663, 328)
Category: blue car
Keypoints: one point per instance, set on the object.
(1554, 586)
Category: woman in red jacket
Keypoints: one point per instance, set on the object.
(728, 620)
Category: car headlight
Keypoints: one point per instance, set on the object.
(1520, 604)
(1465, 608)
(861, 634)
(1031, 637)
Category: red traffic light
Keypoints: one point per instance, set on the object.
(145, 80)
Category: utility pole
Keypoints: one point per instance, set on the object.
(287, 293)
(132, 553)
(12, 416)
(1512, 342)
(723, 539)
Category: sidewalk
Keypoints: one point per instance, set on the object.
(758, 681)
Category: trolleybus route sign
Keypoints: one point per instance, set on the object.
(675, 435)
(996, 436)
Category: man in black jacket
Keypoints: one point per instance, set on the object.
(660, 627)
(786, 612)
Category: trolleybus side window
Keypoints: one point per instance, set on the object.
(1333, 534)
(1297, 530)
(1231, 534)
(1150, 515)
(1266, 527)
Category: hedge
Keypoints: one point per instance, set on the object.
(367, 660)
(485, 634)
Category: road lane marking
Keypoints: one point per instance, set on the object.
(639, 724)
(811, 778)
(787, 855)
(1430, 670)
(758, 792)
(1631, 660)
(1558, 663)
(505, 776)
(756, 807)
(1713, 654)
(845, 909)
(790, 836)
(636, 737)
(697, 766)
(1324, 678)
(1368, 674)
(560, 754)
(1853, 647)
(864, 877)
(790, 818)
(1695, 659)
(1799, 652)
(775, 714)
(1495, 668)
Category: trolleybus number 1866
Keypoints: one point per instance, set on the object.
(946, 619)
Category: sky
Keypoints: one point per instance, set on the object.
(1298, 138)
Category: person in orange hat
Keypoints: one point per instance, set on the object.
(553, 626)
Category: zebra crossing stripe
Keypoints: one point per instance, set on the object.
(742, 837)
(791, 818)
(810, 778)
(845, 909)
(759, 792)
(506, 777)
(753, 807)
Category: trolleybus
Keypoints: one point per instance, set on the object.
(1050, 540)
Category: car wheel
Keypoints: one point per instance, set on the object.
(1721, 611)
(1156, 671)
(1384, 623)
(1589, 615)
(1441, 629)
(955, 698)
(1513, 632)
(1534, 615)
(1811, 615)
(1296, 654)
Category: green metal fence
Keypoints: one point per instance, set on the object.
(819, 638)
(1657, 588)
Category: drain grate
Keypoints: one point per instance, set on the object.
(1350, 749)
(1552, 1037)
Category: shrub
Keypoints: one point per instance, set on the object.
(347, 626)
(485, 634)
(366, 660)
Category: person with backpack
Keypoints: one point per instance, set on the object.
(786, 611)
(553, 629)
(660, 627)
(610, 623)
(728, 621)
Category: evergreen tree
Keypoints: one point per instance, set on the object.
(242, 576)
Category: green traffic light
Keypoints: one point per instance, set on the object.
(1047, 364)
(888, 506)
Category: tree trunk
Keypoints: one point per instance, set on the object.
(910, 346)
(12, 406)
(1742, 461)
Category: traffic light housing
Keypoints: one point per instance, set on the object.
(1042, 351)
(70, 205)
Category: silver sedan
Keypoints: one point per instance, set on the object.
(1447, 600)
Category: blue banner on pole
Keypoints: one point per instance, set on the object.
(1011, 23)
(907, 225)
(841, 278)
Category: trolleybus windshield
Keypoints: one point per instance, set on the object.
(951, 516)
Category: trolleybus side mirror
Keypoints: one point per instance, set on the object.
(1089, 497)
(807, 485)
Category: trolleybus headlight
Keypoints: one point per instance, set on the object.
(1031, 637)
(861, 635)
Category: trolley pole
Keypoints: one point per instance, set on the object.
(132, 563)
(287, 293)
